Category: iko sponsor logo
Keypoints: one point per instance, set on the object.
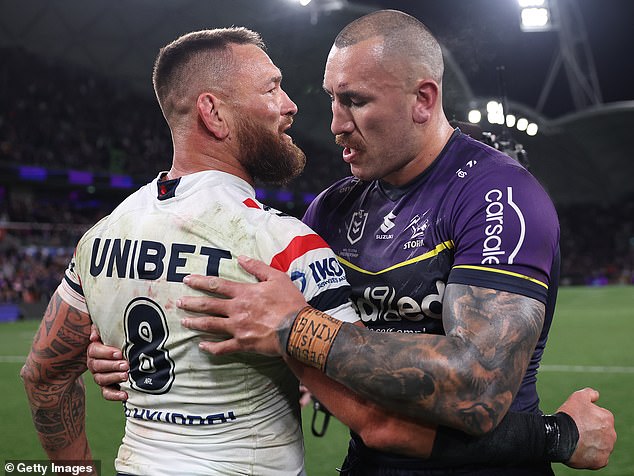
(380, 303)
(327, 271)
(494, 250)
(357, 226)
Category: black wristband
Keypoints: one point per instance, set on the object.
(562, 436)
(520, 438)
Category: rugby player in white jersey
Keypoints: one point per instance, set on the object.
(501, 446)
(189, 413)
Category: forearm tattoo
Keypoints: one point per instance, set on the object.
(466, 379)
(52, 374)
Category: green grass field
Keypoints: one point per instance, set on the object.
(590, 344)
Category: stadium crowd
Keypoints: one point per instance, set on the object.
(64, 117)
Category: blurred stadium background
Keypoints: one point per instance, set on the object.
(80, 130)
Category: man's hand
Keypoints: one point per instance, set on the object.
(596, 430)
(108, 367)
(255, 315)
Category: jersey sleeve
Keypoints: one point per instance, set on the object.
(312, 266)
(506, 234)
(70, 289)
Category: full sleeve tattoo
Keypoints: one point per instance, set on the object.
(52, 379)
(466, 379)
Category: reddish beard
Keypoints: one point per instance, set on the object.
(267, 156)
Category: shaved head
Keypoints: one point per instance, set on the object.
(404, 39)
(194, 63)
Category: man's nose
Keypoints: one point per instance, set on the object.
(288, 106)
(341, 119)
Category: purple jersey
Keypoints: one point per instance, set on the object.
(474, 217)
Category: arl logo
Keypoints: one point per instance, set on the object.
(357, 226)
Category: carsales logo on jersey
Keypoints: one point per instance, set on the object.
(495, 249)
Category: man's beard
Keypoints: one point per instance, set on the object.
(267, 156)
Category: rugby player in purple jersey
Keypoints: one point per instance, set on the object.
(451, 249)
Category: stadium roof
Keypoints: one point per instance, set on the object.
(579, 155)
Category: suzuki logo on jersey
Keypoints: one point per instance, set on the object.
(380, 303)
(499, 208)
(357, 225)
(327, 271)
(388, 224)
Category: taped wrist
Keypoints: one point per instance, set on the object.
(520, 438)
(562, 436)
(312, 335)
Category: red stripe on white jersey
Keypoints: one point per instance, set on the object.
(298, 246)
(249, 202)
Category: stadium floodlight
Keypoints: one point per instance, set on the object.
(522, 124)
(531, 3)
(510, 120)
(495, 112)
(531, 129)
(535, 15)
(493, 106)
(474, 116)
(303, 3)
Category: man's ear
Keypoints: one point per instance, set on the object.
(427, 94)
(211, 112)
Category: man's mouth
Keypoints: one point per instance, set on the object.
(349, 154)
(283, 130)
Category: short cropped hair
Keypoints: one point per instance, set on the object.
(197, 59)
(403, 36)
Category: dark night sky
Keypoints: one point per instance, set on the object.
(481, 35)
(485, 34)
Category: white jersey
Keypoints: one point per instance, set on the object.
(189, 412)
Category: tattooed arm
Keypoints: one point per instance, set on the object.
(465, 380)
(52, 378)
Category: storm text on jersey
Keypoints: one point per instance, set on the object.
(146, 259)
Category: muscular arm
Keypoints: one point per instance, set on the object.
(52, 379)
(519, 438)
(378, 428)
(466, 379)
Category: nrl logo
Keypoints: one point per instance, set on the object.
(357, 225)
